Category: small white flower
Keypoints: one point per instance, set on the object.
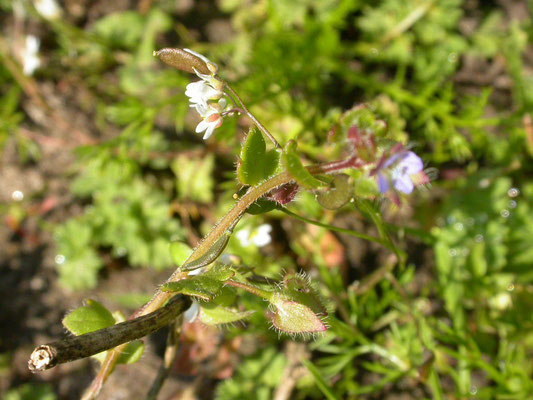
(30, 60)
(200, 93)
(48, 8)
(259, 237)
(212, 118)
(210, 122)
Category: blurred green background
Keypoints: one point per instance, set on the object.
(100, 168)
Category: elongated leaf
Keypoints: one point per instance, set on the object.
(88, 318)
(256, 164)
(211, 255)
(293, 165)
(215, 315)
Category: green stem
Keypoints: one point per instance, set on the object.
(250, 289)
(252, 117)
(336, 229)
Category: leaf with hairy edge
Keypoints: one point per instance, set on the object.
(205, 286)
(293, 317)
(256, 164)
(88, 318)
(295, 168)
(213, 314)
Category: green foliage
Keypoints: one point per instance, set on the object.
(256, 164)
(179, 252)
(438, 305)
(94, 316)
(259, 374)
(31, 391)
(293, 165)
(89, 318)
(338, 194)
(194, 178)
(205, 286)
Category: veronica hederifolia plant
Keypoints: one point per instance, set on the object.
(206, 283)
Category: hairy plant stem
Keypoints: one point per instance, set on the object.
(227, 222)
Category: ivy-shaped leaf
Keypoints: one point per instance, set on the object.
(256, 164)
(295, 168)
(88, 318)
(340, 193)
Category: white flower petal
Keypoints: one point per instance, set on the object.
(47, 8)
(192, 312)
(262, 235)
(202, 126)
(244, 237)
(209, 131)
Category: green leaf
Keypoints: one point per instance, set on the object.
(132, 353)
(340, 193)
(219, 272)
(205, 286)
(179, 251)
(256, 164)
(295, 168)
(31, 391)
(324, 387)
(293, 317)
(213, 314)
(262, 206)
(88, 318)
(210, 255)
(194, 177)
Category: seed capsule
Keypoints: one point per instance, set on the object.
(183, 60)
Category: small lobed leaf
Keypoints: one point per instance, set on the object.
(295, 168)
(88, 318)
(340, 193)
(256, 164)
(180, 252)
